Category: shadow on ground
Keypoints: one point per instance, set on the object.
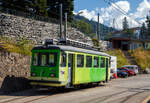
(19, 86)
(14, 84)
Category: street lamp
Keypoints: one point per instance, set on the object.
(80, 13)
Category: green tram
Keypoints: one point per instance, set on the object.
(68, 66)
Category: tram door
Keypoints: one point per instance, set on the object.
(107, 69)
(70, 69)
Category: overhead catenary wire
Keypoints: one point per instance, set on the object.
(110, 2)
(124, 11)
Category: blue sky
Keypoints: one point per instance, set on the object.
(92, 4)
(135, 9)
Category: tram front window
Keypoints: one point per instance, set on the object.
(45, 59)
(52, 59)
(35, 59)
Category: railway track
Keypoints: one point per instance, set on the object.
(29, 99)
(119, 97)
(38, 94)
(24, 99)
(110, 93)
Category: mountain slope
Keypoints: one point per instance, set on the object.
(104, 30)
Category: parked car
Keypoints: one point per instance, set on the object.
(132, 67)
(129, 71)
(120, 73)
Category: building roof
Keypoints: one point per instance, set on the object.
(71, 48)
(121, 31)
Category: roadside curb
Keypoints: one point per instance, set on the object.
(146, 99)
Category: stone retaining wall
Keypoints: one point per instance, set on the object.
(14, 64)
(11, 25)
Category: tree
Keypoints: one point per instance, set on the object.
(54, 5)
(143, 31)
(42, 7)
(83, 26)
(14, 4)
(148, 25)
(125, 24)
(95, 42)
(21, 5)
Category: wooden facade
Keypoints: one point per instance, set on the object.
(119, 40)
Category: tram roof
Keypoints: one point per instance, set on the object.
(71, 48)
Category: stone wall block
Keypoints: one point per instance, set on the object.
(11, 25)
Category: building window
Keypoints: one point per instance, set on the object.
(88, 61)
(96, 62)
(102, 62)
(80, 60)
(63, 59)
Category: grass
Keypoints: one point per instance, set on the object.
(24, 46)
(121, 59)
(20, 45)
(142, 57)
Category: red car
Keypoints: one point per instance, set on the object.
(129, 71)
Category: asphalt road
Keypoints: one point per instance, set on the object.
(127, 90)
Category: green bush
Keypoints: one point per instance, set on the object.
(121, 59)
(142, 57)
(21, 45)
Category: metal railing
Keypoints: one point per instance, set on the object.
(128, 36)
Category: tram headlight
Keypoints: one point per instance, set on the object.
(52, 75)
(33, 74)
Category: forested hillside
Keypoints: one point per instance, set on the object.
(89, 27)
(41, 7)
(50, 8)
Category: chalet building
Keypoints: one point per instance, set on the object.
(124, 41)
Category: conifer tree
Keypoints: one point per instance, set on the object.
(20, 5)
(148, 25)
(143, 31)
(125, 24)
(54, 5)
(42, 7)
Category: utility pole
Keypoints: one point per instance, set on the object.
(65, 28)
(98, 29)
(114, 23)
(60, 35)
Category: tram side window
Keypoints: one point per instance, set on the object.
(52, 59)
(35, 59)
(80, 60)
(96, 62)
(88, 61)
(63, 59)
(102, 62)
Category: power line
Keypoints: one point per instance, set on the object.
(120, 9)
(124, 11)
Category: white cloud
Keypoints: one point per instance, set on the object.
(111, 13)
(91, 15)
(107, 15)
(74, 13)
(142, 10)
